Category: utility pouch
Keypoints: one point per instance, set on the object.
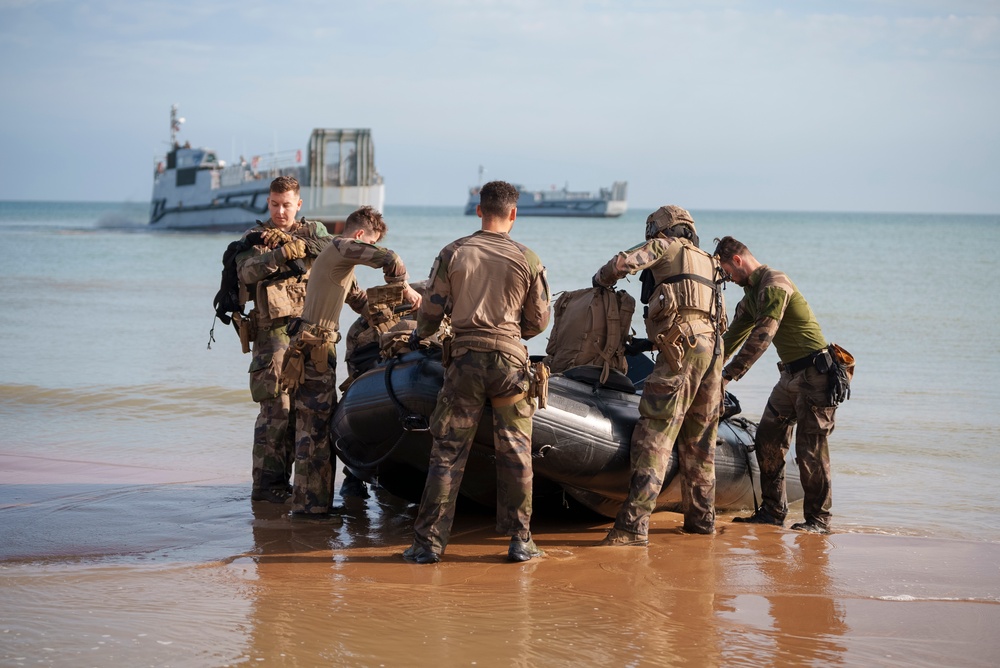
(294, 370)
(844, 358)
(840, 375)
(823, 362)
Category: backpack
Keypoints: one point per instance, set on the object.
(227, 301)
(590, 327)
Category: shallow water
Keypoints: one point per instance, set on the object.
(128, 536)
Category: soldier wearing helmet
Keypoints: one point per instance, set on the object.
(682, 396)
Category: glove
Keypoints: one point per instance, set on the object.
(636, 346)
(415, 341)
(272, 238)
(293, 250)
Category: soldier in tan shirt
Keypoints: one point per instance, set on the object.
(496, 293)
(310, 366)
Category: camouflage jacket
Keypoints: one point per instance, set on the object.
(491, 286)
(637, 258)
(682, 286)
(772, 309)
(262, 271)
(333, 283)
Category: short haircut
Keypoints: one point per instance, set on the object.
(284, 184)
(497, 198)
(366, 218)
(727, 247)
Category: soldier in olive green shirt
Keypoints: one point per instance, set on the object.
(773, 310)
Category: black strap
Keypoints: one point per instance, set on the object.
(677, 278)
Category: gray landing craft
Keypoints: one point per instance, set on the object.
(580, 441)
(564, 203)
(194, 189)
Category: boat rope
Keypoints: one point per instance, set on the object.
(411, 422)
(747, 449)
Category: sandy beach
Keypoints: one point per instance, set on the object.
(154, 567)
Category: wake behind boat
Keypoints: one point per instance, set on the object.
(194, 189)
(580, 440)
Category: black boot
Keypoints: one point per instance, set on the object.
(271, 488)
(418, 554)
(761, 516)
(353, 486)
(523, 550)
(810, 526)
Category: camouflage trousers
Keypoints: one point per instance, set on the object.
(470, 381)
(798, 399)
(315, 400)
(273, 447)
(683, 408)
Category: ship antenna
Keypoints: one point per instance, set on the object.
(175, 124)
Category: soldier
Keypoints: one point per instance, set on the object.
(682, 396)
(309, 372)
(773, 309)
(278, 293)
(496, 293)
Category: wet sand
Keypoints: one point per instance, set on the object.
(156, 567)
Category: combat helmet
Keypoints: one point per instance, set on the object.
(672, 221)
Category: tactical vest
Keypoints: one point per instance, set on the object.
(680, 288)
(284, 294)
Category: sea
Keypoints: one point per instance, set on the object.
(110, 357)
(106, 354)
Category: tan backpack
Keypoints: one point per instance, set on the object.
(590, 327)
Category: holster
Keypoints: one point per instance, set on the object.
(248, 329)
(446, 350)
(538, 387)
(681, 335)
(669, 345)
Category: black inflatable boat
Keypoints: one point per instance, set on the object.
(580, 441)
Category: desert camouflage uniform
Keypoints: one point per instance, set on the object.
(773, 310)
(682, 396)
(272, 440)
(315, 397)
(496, 293)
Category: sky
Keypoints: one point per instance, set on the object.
(882, 105)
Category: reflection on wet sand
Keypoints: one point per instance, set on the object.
(803, 619)
(184, 575)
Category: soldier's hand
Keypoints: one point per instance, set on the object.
(273, 238)
(411, 296)
(293, 250)
(637, 346)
